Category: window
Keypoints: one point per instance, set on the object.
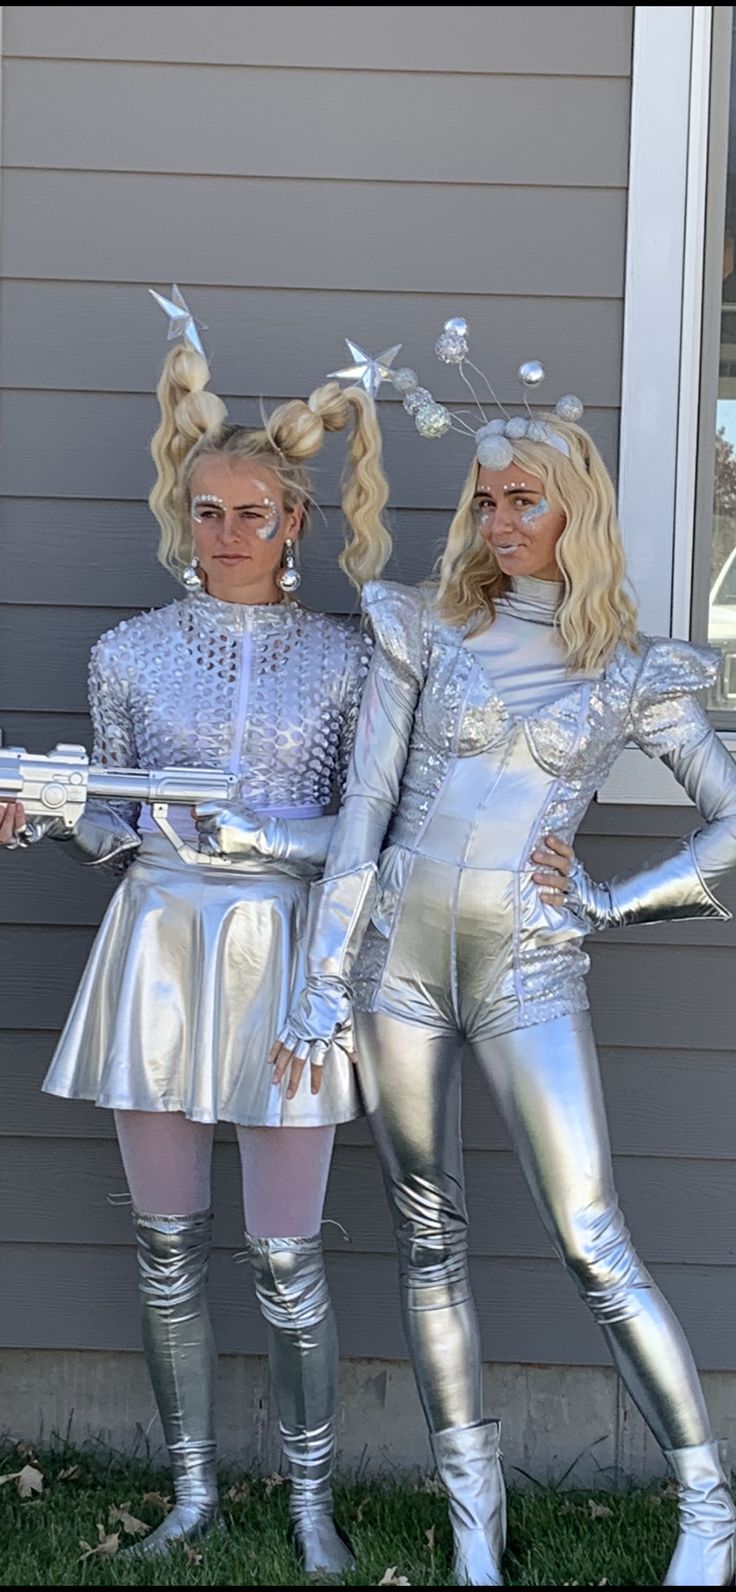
(713, 616)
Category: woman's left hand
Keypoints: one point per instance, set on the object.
(230, 831)
(286, 1063)
(555, 863)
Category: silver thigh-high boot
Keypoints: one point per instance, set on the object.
(706, 1549)
(292, 1291)
(173, 1252)
(468, 1463)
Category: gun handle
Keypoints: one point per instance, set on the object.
(189, 854)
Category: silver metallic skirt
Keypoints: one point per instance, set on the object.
(186, 988)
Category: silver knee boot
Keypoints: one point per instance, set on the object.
(468, 1463)
(173, 1252)
(294, 1298)
(706, 1549)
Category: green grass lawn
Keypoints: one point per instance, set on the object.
(73, 1532)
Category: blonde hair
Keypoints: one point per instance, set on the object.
(596, 612)
(194, 425)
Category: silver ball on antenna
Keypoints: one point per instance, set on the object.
(531, 373)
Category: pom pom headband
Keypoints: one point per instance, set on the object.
(493, 438)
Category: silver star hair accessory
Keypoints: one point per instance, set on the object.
(181, 321)
(367, 371)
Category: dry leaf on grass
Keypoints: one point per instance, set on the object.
(360, 1511)
(71, 1473)
(119, 1515)
(274, 1481)
(431, 1536)
(24, 1451)
(238, 1493)
(193, 1556)
(599, 1511)
(107, 1544)
(431, 1484)
(160, 1501)
(392, 1579)
(29, 1481)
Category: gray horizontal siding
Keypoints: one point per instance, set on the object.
(251, 355)
(661, 1103)
(574, 128)
(677, 1209)
(371, 236)
(529, 1310)
(593, 41)
(422, 474)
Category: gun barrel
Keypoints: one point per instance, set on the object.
(184, 787)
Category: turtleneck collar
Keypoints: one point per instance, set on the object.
(533, 599)
(218, 613)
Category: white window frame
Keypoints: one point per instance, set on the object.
(663, 324)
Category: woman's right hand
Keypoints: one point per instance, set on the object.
(12, 823)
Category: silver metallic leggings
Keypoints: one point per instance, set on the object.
(546, 1083)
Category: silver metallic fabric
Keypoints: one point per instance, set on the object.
(463, 761)
(468, 1462)
(193, 968)
(292, 1291)
(239, 832)
(173, 1253)
(267, 692)
(546, 1084)
(706, 1549)
(678, 886)
(185, 989)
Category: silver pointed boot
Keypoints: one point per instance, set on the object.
(706, 1547)
(292, 1292)
(468, 1461)
(173, 1252)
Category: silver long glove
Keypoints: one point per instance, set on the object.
(340, 904)
(100, 837)
(678, 885)
(240, 832)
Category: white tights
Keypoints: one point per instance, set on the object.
(167, 1160)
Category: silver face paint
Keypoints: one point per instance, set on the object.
(530, 516)
(204, 500)
(272, 525)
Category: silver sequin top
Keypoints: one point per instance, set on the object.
(267, 692)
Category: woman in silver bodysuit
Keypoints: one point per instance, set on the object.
(495, 707)
(191, 972)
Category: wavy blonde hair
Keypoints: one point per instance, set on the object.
(194, 425)
(596, 612)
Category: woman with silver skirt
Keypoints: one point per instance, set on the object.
(194, 965)
(495, 708)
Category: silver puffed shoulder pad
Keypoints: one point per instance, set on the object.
(665, 715)
(674, 668)
(398, 619)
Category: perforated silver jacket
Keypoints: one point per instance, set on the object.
(269, 692)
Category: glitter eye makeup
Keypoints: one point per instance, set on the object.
(535, 513)
(272, 525)
(205, 500)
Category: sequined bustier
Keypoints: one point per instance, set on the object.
(267, 692)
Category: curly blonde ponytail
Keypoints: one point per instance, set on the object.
(297, 430)
(188, 414)
(194, 424)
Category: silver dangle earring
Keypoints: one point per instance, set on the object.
(289, 578)
(191, 578)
